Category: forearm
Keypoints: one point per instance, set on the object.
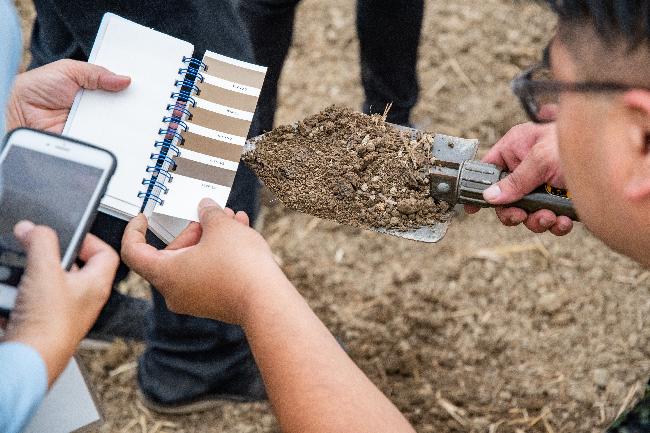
(312, 384)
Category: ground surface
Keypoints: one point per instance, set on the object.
(493, 329)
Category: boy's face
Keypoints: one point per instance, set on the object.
(601, 139)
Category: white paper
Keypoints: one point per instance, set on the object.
(127, 122)
(185, 193)
(68, 406)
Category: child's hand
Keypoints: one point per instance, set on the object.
(55, 309)
(211, 270)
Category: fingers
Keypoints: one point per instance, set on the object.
(93, 77)
(101, 262)
(136, 253)
(242, 217)
(210, 215)
(41, 244)
(562, 227)
(511, 216)
(470, 209)
(188, 237)
(530, 174)
(538, 222)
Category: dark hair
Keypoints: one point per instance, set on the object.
(611, 19)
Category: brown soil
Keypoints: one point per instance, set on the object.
(351, 168)
(494, 329)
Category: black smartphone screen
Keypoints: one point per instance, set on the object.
(46, 190)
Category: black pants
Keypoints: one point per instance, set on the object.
(389, 35)
(185, 356)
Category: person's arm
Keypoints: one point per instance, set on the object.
(41, 98)
(23, 383)
(530, 152)
(222, 269)
(54, 311)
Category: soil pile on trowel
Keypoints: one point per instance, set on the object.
(350, 167)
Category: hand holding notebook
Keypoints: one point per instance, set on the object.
(178, 130)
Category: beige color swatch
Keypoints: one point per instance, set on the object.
(228, 98)
(219, 122)
(207, 173)
(236, 74)
(208, 146)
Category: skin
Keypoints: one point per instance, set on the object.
(530, 152)
(606, 168)
(41, 98)
(312, 384)
(223, 270)
(55, 309)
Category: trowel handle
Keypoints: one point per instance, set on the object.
(475, 177)
(542, 199)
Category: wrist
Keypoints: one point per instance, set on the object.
(265, 297)
(54, 351)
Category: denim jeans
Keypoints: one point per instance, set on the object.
(185, 356)
(389, 35)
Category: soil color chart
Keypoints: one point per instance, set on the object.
(215, 135)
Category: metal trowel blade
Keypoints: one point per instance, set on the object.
(460, 148)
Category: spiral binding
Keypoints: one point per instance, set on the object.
(169, 146)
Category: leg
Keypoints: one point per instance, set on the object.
(191, 363)
(122, 316)
(389, 36)
(270, 27)
(186, 359)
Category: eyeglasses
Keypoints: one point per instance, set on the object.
(539, 94)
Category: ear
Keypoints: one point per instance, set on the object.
(637, 104)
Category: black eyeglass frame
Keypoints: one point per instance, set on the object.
(526, 88)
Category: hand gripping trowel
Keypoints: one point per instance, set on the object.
(456, 177)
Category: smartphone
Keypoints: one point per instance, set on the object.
(49, 180)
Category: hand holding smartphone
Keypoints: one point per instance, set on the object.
(49, 180)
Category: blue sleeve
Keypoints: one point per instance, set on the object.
(10, 51)
(23, 383)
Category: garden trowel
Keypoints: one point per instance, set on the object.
(455, 177)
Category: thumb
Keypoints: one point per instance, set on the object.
(210, 215)
(141, 257)
(41, 244)
(94, 77)
(524, 179)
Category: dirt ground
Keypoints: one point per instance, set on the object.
(491, 330)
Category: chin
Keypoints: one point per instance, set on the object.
(622, 243)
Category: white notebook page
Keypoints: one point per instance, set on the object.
(127, 122)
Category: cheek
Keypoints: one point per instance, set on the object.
(580, 144)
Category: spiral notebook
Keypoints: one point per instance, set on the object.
(177, 131)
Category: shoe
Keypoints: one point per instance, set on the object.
(246, 387)
(254, 392)
(199, 404)
(123, 317)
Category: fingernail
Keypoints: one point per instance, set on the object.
(516, 220)
(22, 229)
(492, 193)
(207, 202)
(545, 222)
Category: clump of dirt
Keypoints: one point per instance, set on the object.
(350, 167)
